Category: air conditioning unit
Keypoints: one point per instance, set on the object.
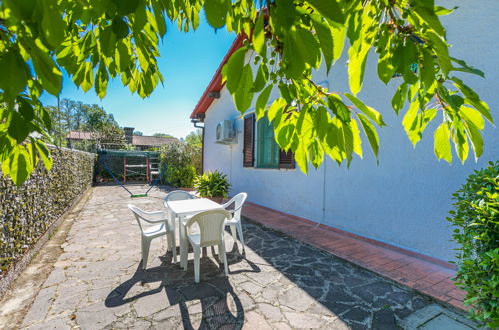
(225, 131)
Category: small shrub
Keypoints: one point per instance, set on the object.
(476, 217)
(180, 159)
(180, 176)
(212, 184)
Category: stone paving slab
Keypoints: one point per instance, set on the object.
(430, 276)
(279, 283)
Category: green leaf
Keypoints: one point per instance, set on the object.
(441, 143)
(261, 101)
(126, 7)
(123, 55)
(428, 16)
(101, 80)
(275, 108)
(44, 154)
(14, 73)
(357, 65)
(338, 107)
(107, 40)
(473, 99)
(370, 131)
(119, 27)
(460, 142)
(300, 50)
(357, 141)
(18, 128)
(48, 73)
(367, 110)
(260, 79)
(18, 165)
(441, 51)
(428, 69)
(52, 25)
(325, 35)
(85, 76)
(243, 95)
(330, 9)
(322, 122)
(466, 68)
(398, 99)
(301, 157)
(259, 36)
(26, 109)
(216, 12)
(386, 70)
(232, 70)
(339, 35)
(475, 137)
(473, 116)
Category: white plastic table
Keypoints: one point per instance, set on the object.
(182, 209)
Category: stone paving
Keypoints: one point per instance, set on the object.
(281, 283)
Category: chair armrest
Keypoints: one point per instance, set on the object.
(152, 217)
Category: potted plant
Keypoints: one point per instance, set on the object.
(212, 185)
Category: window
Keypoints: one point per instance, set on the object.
(268, 154)
(266, 147)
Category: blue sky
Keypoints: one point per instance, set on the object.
(188, 62)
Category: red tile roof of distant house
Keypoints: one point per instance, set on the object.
(82, 135)
(139, 140)
(216, 82)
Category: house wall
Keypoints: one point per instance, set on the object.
(405, 199)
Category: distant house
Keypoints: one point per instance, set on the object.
(403, 201)
(139, 142)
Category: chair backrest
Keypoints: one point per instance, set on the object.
(178, 195)
(238, 202)
(211, 226)
(139, 215)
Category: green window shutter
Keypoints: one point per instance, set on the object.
(267, 148)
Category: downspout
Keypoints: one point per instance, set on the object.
(196, 122)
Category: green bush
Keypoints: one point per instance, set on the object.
(476, 217)
(180, 176)
(212, 184)
(182, 162)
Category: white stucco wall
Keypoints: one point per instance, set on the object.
(404, 200)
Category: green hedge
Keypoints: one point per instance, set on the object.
(27, 211)
(476, 218)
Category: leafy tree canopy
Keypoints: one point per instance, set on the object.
(162, 135)
(96, 40)
(195, 138)
(138, 133)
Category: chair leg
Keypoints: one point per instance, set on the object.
(220, 248)
(146, 244)
(240, 231)
(197, 252)
(233, 232)
(224, 257)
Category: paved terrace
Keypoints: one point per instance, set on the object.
(95, 281)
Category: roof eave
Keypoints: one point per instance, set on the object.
(216, 84)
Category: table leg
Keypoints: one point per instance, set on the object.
(183, 247)
(171, 220)
(174, 244)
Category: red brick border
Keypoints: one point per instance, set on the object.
(427, 275)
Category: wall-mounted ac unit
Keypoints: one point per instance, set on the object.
(225, 131)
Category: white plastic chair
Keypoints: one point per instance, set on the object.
(235, 220)
(211, 233)
(152, 225)
(178, 195)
